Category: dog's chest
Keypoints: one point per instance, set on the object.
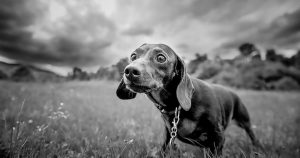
(188, 131)
(185, 126)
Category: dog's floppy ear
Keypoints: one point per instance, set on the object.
(124, 93)
(185, 88)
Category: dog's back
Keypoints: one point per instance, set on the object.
(229, 104)
(217, 97)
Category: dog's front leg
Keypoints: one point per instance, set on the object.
(167, 139)
(166, 142)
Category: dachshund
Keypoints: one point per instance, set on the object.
(205, 109)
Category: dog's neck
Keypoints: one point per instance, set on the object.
(166, 96)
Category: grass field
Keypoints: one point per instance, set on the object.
(86, 119)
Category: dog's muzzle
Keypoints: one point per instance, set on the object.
(132, 73)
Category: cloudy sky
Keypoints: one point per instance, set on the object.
(89, 33)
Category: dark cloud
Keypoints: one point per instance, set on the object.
(60, 52)
(14, 13)
(78, 41)
(138, 30)
(28, 53)
(154, 12)
(14, 18)
(90, 32)
(282, 32)
(287, 25)
(163, 11)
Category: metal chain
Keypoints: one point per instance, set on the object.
(174, 127)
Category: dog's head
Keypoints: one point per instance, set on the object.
(152, 67)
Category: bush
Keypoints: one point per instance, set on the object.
(3, 75)
(258, 75)
(285, 83)
(23, 73)
(208, 69)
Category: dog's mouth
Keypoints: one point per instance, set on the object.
(138, 88)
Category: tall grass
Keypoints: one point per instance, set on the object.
(86, 119)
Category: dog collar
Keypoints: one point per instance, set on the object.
(160, 107)
(173, 132)
(163, 111)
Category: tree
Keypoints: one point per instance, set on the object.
(23, 73)
(193, 64)
(79, 74)
(271, 55)
(247, 49)
(121, 64)
(297, 60)
(3, 75)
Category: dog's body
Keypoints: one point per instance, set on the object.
(207, 109)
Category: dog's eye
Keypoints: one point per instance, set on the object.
(160, 58)
(133, 57)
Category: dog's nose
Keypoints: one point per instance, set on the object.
(132, 73)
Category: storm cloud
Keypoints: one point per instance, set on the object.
(74, 40)
(91, 33)
(282, 32)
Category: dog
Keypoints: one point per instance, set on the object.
(205, 109)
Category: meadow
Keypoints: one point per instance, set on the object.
(86, 119)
